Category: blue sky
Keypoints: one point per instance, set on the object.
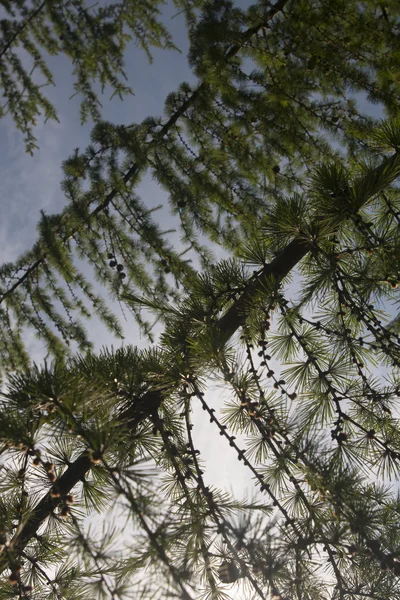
(32, 184)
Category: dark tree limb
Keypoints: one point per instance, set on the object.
(74, 473)
(365, 188)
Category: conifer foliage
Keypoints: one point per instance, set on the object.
(272, 158)
(92, 37)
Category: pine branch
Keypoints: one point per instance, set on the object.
(23, 26)
(74, 473)
(135, 168)
(290, 256)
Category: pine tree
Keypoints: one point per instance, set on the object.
(312, 379)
